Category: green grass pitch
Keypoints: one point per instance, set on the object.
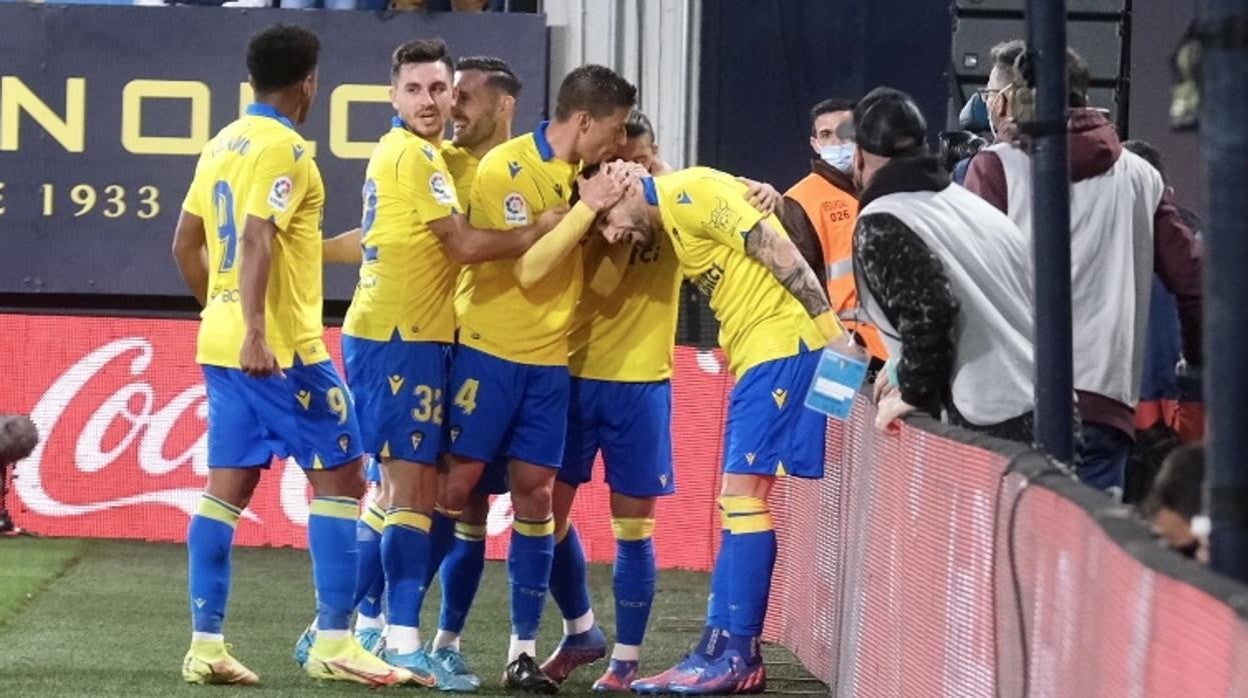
(109, 618)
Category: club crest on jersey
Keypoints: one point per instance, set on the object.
(279, 195)
(723, 219)
(441, 189)
(344, 442)
(417, 438)
(515, 209)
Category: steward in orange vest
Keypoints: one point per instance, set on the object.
(830, 200)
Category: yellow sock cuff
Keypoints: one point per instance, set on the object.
(409, 519)
(335, 507)
(448, 513)
(218, 510)
(473, 533)
(534, 529)
(745, 514)
(632, 529)
(374, 517)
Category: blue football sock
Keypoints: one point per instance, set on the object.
(715, 635)
(370, 577)
(528, 566)
(441, 538)
(633, 578)
(209, 539)
(461, 575)
(752, 546)
(405, 556)
(568, 583)
(331, 542)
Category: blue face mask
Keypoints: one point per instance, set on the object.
(840, 156)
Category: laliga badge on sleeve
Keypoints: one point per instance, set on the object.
(841, 371)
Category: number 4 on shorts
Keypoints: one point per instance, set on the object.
(466, 398)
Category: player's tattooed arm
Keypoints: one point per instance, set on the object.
(190, 253)
(777, 252)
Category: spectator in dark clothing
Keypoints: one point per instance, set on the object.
(945, 277)
(1166, 397)
(956, 150)
(1175, 498)
(1123, 227)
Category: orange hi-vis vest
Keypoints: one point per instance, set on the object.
(833, 211)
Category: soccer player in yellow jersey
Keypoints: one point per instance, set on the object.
(510, 374)
(248, 244)
(622, 339)
(774, 320)
(486, 91)
(400, 327)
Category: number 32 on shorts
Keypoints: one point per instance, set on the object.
(466, 397)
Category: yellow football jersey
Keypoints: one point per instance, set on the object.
(259, 166)
(462, 165)
(515, 182)
(630, 335)
(706, 215)
(407, 281)
(463, 168)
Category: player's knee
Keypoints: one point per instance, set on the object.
(532, 497)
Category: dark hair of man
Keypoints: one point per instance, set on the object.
(1015, 61)
(281, 56)
(1178, 483)
(638, 125)
(1150, 154)
(420, 51)
(829, 106)
(497, 73)
(595, 89)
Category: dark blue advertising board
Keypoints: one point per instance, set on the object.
(103, 111)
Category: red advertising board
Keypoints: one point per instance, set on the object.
(121, 408)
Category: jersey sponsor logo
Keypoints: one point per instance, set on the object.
(304, 397)
(298, 149)
(279, 195)
(344, 442)
(750, 457)
(559, 189)
(441, 189)
(514, 168)
(454, 434)
(683, 198)
(722, 219)
(515, 209)
(708, 281)
(417, 439)
(428, 151)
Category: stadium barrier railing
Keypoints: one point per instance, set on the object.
(939, 562)
(927, 562)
